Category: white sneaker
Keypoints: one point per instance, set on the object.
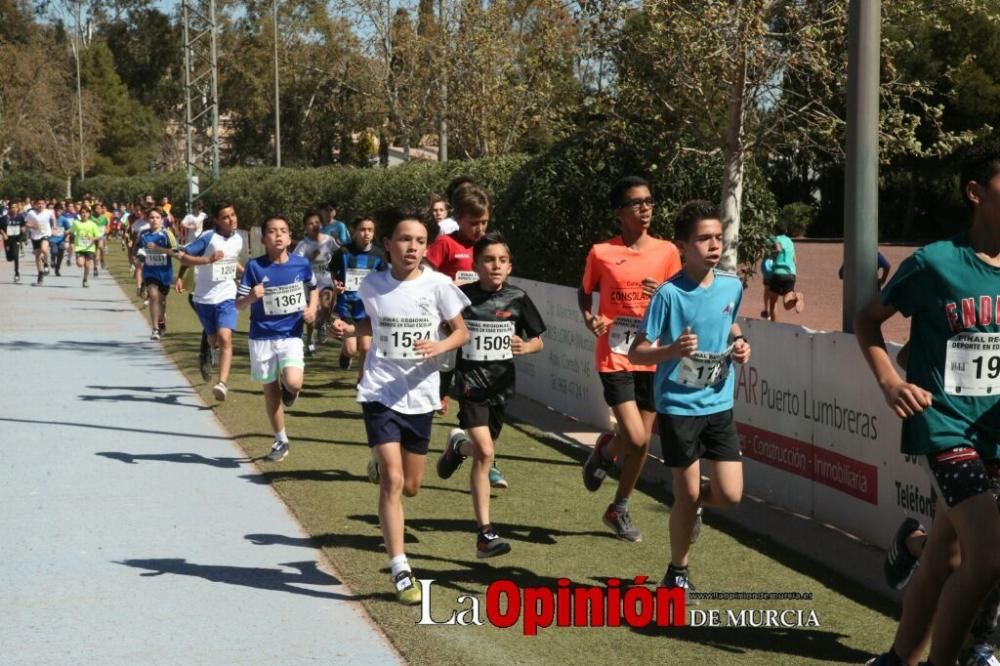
(155, 335)
(279, 451)
(220, 392)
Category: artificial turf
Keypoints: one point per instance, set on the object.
(552, 522)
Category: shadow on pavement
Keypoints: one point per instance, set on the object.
(528, 533)
(267, 478)
(278, 580)
(165, 433)
(172, 400)
(190, 458)
(371, 542)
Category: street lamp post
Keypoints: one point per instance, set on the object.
(861, 199)
(277, 96)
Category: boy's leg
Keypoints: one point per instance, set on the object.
(725, 486)
(154, 305)
(390, 496)
(482, 451)
(272, 405)
(687, 493)
(977, 524)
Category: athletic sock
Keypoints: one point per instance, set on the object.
(281, 436)
(399, 563)
(486, 529)
(621, 504)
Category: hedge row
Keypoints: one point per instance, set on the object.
(551, 207)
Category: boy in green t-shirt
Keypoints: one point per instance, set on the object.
(85, 233)
(780, 275)
(951, 413)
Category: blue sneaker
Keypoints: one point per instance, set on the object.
(496, 478)
(979, 655)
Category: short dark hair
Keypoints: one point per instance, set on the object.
(358, 219)
(490, 238)
(687, 218)
(330, 204)
(388, 219)
(455, 183)
(618, 191)
(470, 200)
(219, 207)
(980, 163)
(271, 218)
(310, 212)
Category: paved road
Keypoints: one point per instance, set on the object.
(126, 522)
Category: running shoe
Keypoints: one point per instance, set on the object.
(344, 361)
(45, 270)
(885, 659)
(496, 478)
(621, 525)
(58, 274)
(220, 392)
(204, 365)
(155, 335)
(978, 655)
(679, 578)
(287, 397)
(595, 469)
(17, 279)
(451, 458)
(764, 314)
(40, 278)
(279, 451)
(489, 544)
(899, 564)
(373, 474)
(696, 528)
(407, 590)
(163, 326)
(86, 283)
(310, 350)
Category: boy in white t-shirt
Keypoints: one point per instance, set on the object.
(399, 388)
(193, 223)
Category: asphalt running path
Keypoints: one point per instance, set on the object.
(127, 518)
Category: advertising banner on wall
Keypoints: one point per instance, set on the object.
(562, 376)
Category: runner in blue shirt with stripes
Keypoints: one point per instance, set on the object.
(158, 269)
(350, 265)
(280, 290)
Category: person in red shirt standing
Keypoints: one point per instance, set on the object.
(626, 270)
(451, 254)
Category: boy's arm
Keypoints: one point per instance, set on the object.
(521, 347)
(904, 398)
(741, 346)
(642, 351)
(459, 336)
(596, 324)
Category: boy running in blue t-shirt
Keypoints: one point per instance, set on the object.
(274, 287)
(690, 332)
(157, 270)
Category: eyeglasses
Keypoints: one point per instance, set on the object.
(636, 204)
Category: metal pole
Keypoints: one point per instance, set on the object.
(187, 108)
(78, 51)
(861, 199)
(443, 69)
(277, 98)
(214, 64)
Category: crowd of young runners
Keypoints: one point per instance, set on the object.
(423, 299)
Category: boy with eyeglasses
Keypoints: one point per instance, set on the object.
(626, 270)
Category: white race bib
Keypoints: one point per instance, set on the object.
(397, 335)
(622, 334)
(353, 278)
(488, 341)
(466, 276)
(320, 267)
(286, 299)
(224, 269)
(13, 229)
(972, 364)
(86, 242)
(155, 259)
(703, 369)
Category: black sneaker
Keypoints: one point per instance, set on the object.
(162, 325)
(287, 397)
(344, 362)
(621, 525)
(679, 578)
(489, 544)
(595, 469)
(899, 564)
(451, 458)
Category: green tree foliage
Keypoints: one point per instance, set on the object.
(130, 139)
